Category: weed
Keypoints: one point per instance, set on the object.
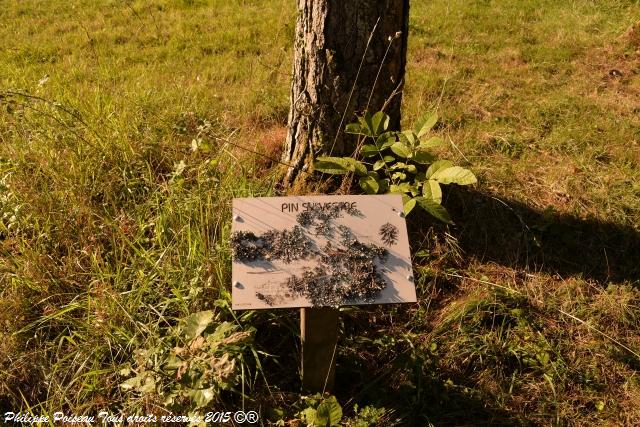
(396, 162)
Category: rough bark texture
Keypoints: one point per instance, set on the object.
(336, 76)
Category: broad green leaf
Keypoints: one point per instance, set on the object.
(425, 123)
(422, 157)
(328, 413)
(434, 141)
(431, 190)
(378, 165)
(408, 207)
(405, 199)
(339, 165)
(196, 323)
(389, 159)
(170, 398)
(131, 383)
(454, 175)
(405, 167)
(400, 188)
(369, 184)
(367, 124)
(401, 149)
(202, 397)
(399, 176)
(309, 415)
(379, 123)
(333, 165)
(435, 166)
(173, 363)
(222, 331)
(358, 167)
(149, 385)
(409, 138)
(356, 129)
(364, 122)
(399, 165)
(369, 150)
(435, 209)
(386, 140)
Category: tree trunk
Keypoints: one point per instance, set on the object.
(349, 58)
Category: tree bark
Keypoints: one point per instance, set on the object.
(349, 58)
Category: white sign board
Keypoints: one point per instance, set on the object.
(315, 251)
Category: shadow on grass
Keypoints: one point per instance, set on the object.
(491, 230)
(512, 234)
(414, 397)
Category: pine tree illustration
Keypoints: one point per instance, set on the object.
(389, 234)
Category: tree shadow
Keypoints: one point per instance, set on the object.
(512, 234)
(416, 393)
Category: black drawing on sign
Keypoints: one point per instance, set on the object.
(347, 269)
(321, 218)
(282, 245)
(268, 299)
(389, 234)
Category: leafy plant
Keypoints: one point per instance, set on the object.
(399, 162)
(190, 366)
(322, 412)
(318, 410)
(367, 416)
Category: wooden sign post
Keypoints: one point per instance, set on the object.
(319, 253)
(319, 336)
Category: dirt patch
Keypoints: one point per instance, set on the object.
(262, 144)
(611, 73)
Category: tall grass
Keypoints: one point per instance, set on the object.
(106, 243)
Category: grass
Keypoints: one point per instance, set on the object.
(116, 182)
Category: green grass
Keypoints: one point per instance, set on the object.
(112, 227)
(525, 87)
